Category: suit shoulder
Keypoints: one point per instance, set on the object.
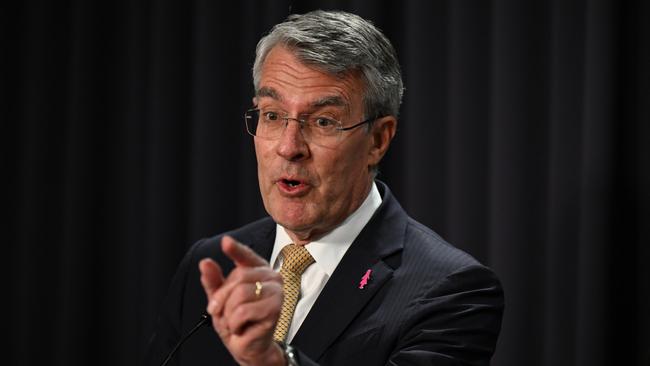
(423, 245)
(249, 233)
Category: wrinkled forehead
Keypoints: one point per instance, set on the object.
(320, 101)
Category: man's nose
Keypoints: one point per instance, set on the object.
(292, 145)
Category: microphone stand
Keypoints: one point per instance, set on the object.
(204, 320)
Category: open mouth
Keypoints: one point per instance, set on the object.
(291, 183)
(293, 186)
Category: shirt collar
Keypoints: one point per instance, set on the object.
(328, 250)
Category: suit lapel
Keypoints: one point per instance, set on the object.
(338, 304)
(264, 245)
(342, 299)
(260, 238)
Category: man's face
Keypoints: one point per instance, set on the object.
(307, 188)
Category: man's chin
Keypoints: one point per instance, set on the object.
(297, 227)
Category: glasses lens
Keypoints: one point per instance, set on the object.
(267, 125)
(252, 118)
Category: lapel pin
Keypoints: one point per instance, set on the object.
(365, 279)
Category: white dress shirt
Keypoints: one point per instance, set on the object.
(327, 252)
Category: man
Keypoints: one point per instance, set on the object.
(364, 284)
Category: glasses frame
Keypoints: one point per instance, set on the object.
(301, 122)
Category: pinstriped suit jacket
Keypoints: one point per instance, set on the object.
(427, 302)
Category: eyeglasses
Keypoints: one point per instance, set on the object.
(323, 131)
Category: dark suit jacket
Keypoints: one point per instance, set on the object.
(426, 303)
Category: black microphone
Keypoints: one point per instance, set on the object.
(204, 320)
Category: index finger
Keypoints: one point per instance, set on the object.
(241, 254)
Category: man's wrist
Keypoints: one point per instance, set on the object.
(276, 356)
(272, 356)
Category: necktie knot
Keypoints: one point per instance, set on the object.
(296, 259)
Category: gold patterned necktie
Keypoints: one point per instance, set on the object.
(296, 260)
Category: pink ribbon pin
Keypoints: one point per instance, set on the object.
(364, 279)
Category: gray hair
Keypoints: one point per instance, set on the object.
(337, 42)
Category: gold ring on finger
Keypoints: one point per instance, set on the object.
(258, 288)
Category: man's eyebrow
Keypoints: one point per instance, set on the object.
(332, 100)
(268, 92)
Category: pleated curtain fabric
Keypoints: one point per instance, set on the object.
(295, 260)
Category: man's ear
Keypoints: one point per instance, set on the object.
(382, 133)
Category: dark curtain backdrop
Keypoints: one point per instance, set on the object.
(524, 139)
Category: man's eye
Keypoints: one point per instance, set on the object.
(323, 122)
(271, 116)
